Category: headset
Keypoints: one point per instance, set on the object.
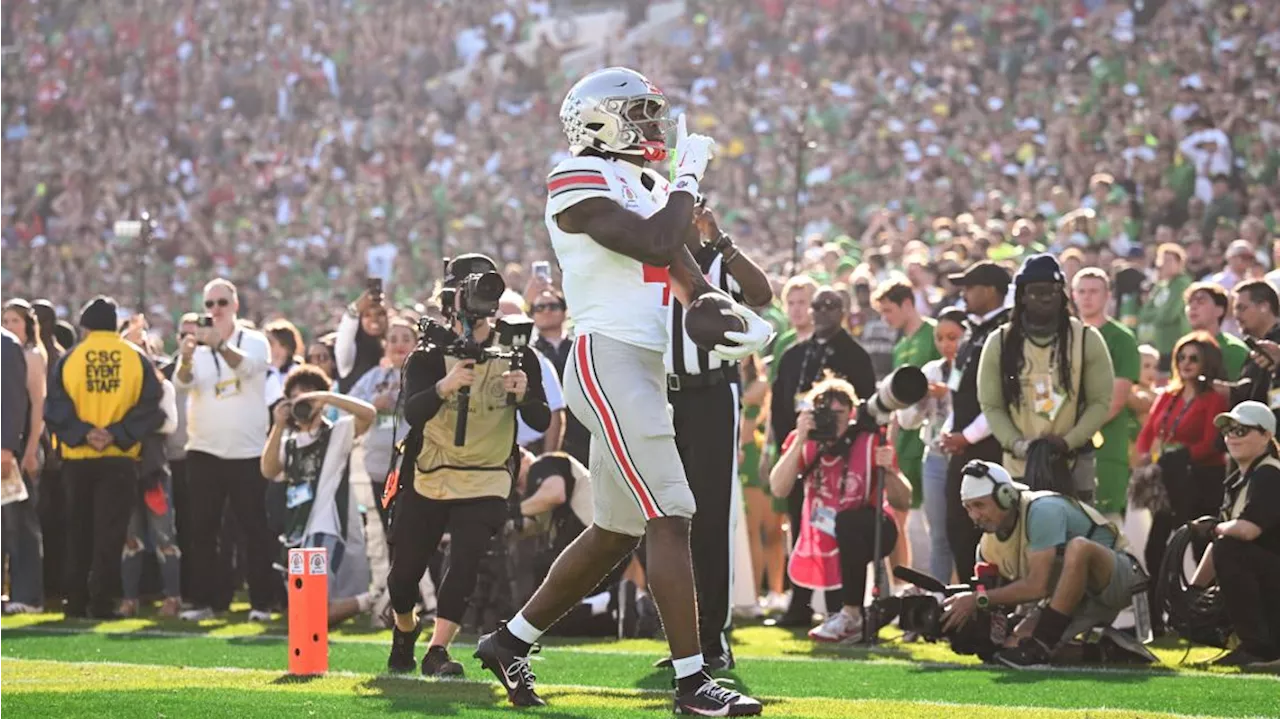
(1003, 493)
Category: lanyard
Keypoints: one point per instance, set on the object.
(1167, 432)
(217, 366)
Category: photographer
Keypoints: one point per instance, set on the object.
(445, 487)
(1245, 555)
(834, 457)
(1044, 546)
(358, 345)
(555, 505)
(313, 455)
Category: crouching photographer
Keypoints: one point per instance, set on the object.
(834, 456)
(1244, 559)
(463, 386)
(1045, 546)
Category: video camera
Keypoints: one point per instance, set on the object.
(469, 299)
(982, 635)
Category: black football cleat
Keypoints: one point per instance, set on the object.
(712, 699)
(511, 667)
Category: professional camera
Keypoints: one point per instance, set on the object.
(983, 635)
(824, 421)
(513, 335)
(472, 288)
(902, 388)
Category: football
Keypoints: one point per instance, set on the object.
(706, 322)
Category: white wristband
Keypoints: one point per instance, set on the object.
(686, 183)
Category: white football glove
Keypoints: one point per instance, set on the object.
(755, 337)
(693, 152)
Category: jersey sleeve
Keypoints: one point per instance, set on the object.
(578, 179)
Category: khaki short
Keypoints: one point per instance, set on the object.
(1101, 608)
(618, 392)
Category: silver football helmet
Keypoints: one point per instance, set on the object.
(616, 110)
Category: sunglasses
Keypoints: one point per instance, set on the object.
(220, 302)
(548, 307)
(1192, 358)
(1238, 431)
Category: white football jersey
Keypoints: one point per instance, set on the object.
(607, 292)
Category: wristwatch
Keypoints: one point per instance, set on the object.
(982, 601)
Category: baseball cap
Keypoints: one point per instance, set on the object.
(1248, 414)
(982, 274)
(1240, 247)
(975, 486)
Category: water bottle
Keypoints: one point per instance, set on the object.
(1142, 617)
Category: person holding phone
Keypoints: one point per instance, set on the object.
(312, 456)
(223, 368)
(361, 331)
(1180, 437)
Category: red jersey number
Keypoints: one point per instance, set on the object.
(662, 275)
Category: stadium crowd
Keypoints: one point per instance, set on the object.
(299, 149)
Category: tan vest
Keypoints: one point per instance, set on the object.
(1010, 555)
(1241, 489)
(1047, 407)
(478, 468)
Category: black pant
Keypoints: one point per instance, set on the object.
(856, 536)
(1249, 576)
(211, 483)
(100, 498)
(51, 505)
(962, 534)
(415, 537)
(706, 422)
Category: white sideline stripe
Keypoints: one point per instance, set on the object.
(165, 634)
(587, 688)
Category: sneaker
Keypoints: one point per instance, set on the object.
(1031, 653)
(1269, 667)
(776, 602)
(259, 615)
(170, 607)
(401, 660)
(796, 619)
(381, 614)
(648, 620)
(511, 667)
(712, 699)
(437, 663)
(196, 615)
(128, 608)
(20, 608)
(840, 628)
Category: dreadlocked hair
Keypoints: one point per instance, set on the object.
(1012, 359)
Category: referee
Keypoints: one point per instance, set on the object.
(704, 394)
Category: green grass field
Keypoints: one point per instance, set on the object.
(150, 668)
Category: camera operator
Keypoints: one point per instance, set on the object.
(1045, 546)
(555, 505)
(1245, 555)
(446, 487)
(832, 457)
(1257, 310)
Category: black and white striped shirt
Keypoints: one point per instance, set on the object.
(682, 355)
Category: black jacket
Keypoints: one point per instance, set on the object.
(1256, 381)
(14, 401)
(803, 364)
(964, 400)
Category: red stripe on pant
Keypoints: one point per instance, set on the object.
(596, 396)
